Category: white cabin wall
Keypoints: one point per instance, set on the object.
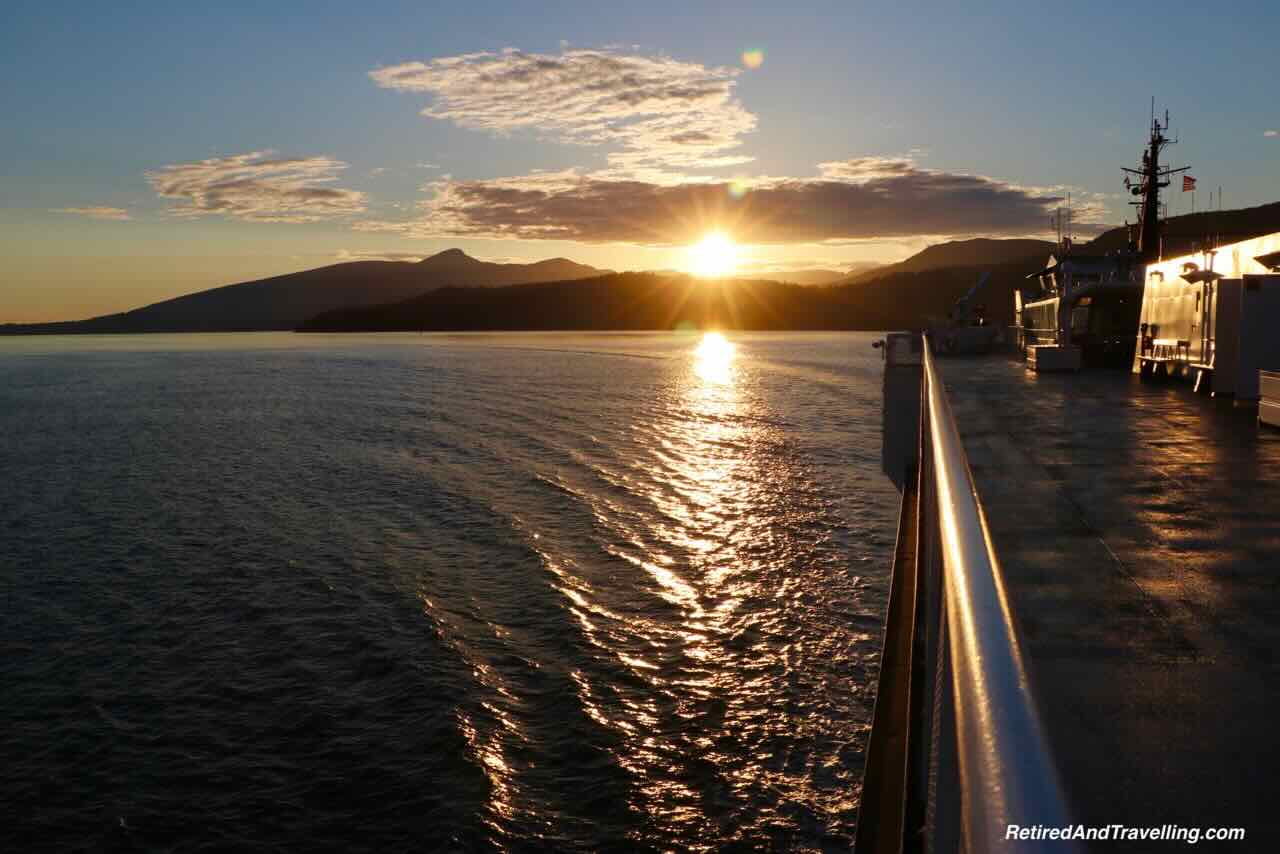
(1169, 301)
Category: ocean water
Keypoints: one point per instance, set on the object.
(543, 592)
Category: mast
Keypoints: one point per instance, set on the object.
(1152, 178)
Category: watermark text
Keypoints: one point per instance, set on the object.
(1124, 833)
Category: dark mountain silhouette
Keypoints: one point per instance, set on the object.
(897, 296)
(630, 301)
(814, 276)
(284, 302)
(859, 267)
(1189, 232)
(807, 277)
(931, 281)
(452, 291)
(980, 251)
(820, 276)
(646, 301)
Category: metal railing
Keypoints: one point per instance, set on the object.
(984, 717)
(968, 757)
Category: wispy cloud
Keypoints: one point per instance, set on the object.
(858, 199)
(97, 212)
(259, 188)
(660, 112)
(428, 166)
(1271, 133)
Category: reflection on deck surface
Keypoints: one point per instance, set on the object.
(1139, 530)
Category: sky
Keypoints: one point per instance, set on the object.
(152, 150)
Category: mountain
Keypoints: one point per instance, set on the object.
(896, 296)
(284, 302)
(822, 277)
(978, 252)
(857, 268)
(627, 301)
(1183, 234)
(807, 277)
(930, 282)
(451, 290)
(649, 301)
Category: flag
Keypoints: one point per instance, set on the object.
(1188, 183)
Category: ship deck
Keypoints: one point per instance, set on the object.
(1138, 529)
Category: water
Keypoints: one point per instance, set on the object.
(471, 592)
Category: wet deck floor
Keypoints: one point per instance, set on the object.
(1139, 530)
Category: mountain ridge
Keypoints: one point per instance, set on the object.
(658, 301)
(283, 302)
(899, 295)
(1184, 233)
(977, 251)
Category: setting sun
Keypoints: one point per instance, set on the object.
(714, 256)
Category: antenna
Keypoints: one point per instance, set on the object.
(1069, 235)
(1147, 181)
(1218, 237)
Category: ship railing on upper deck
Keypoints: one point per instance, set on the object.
(957, 753)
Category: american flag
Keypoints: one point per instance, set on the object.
(1188, 183)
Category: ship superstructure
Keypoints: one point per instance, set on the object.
(1082, 308)
(1212, 315)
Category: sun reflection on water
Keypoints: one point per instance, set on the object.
(714, 358)
(695, 578)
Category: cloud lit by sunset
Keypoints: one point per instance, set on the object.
(572, 139)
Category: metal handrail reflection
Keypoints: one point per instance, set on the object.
(1005, 771)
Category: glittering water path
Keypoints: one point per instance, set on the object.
(557, 592)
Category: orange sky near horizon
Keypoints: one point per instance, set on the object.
(300, 139)
(110, 278)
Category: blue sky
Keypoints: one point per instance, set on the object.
(1050, 98)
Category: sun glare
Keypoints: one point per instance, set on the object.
(714, 256)
(714, 358)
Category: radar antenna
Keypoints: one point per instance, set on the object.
(1151, 178)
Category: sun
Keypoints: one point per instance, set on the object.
(713, 256)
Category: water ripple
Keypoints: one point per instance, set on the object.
(441, 592)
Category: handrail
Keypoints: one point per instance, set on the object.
(1006, 773)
